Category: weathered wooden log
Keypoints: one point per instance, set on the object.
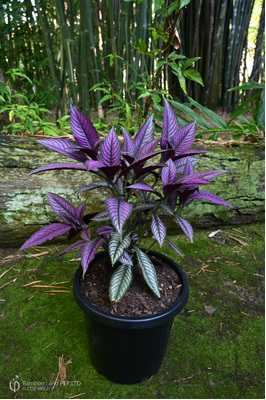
(24, 207)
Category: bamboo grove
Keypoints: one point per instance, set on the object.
(93, 51)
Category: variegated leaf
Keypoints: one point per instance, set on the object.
(119, 211)
(169, 173)
(94, 185)
(158, 229)
(144, 135)
(110, 150)
(186, 227)
(66, 147)
(101, 216)
(184, 138)
(120, 282)
(47, 233)
(83, 130)
(148, 271)
(89, 251)
(202, 194)
(170, 125)
(129, 147)
(58, 166)
(117, 246)
(173, 246)
(60, 205)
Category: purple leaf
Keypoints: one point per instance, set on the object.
(110, 150)
(119, 211)
(86, 234)
(181, 163)
(191, 180)
(83, 130)
(46, 233)
(148, 147)
(158, 229)
(187, 153)
(104, 230)
(170, 125)
(128, 143)
(209, 174)
(144, 135)
(58, 166)
(60, 205)
(143, 186)
(173, 246)
(93, 164)
(93, 185)
(69, 219)
(126, 259)
(73, 247)
(207, 196)
(184, 138)
(139, 162)
(89, 251)
(186, 227)
(80, 211)
(65, 147)
(101, 216)
(169, 173)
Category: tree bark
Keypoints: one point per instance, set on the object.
(24, 206)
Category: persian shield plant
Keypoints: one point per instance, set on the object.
(150, 180)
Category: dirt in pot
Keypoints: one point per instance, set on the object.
(139, 300)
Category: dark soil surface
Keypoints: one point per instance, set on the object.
(139, 300)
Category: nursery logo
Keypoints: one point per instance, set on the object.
(14, 384)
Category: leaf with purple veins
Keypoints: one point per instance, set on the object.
(80, 211)
(184, 138)
(58, 166)
(126, 259)
(147, 148)
(101, 216)
(93, 164)
(143, 186)
(170, 125)
(144, 135)
(60, 205)
(174, 246)
(186, 227)
(181, 163)
(110, 151)
(74, 246)
(169, 173)
(94, 185)
(104, 230)
(46, 233)
(129, 147)
(119, 211)
(158, 229)
(82, 128)
(65, 147)
(202, 194)
(86, 235)
(89, 251)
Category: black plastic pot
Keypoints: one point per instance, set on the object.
(129, 349)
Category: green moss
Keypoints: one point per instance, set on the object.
(209, 356)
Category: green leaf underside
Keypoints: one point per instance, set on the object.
(117, 245)
(148, 271)
(120, 282)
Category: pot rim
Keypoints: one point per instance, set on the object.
(125, 322)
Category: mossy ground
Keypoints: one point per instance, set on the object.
(213, 352)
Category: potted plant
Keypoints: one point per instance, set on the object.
(149, 181)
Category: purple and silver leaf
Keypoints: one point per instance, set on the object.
(192, 180)
(184, 138)
(126, 259)
(181, 163)
(83, 130)
(144, 135)
(169, 173)
(80, 211)
(170, 125)
(94, 185)
(129, 147)
(104, 230)
(119, 211)
(190, 152)
(89, 251)
(60, 205)
(147, 148)
(65, 147)
(86, 234)
(143, 186)
(58, 166)
(209, 174)
(101, 216)
(74, 246)
(189, 170)
(143, 207)
(117, 246)
(47, 233)
(186, 227)
(69, 219)
(158, 229)
(202, 194)
(174, 246)
(110, 151)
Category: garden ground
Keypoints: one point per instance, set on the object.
(216, 349)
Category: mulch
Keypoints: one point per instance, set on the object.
(139, 300)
